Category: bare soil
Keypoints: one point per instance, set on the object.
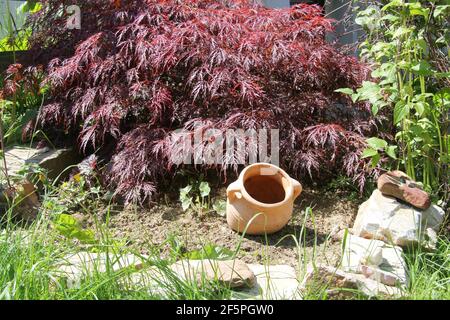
(332, 211)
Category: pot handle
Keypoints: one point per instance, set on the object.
(234, 191)
(297, 188)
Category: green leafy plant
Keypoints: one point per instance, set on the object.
(196, 197)
(377, 145)
(69, 227)
(210, 251)
(16, 39)
(220, 206)
(407, 44)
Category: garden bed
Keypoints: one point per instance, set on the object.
(148, 228)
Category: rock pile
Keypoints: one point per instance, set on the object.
(385, 218)
(398, 215)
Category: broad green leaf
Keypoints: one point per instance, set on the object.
(368, 153)
(204, 189)
(29, 7)
(186, 203)
(186, 190)
(370, 91)
(390, 151)
(345, 90)
(375, 160)
(69, 227)
(440, 10)
(376, 143)
(393, 3)
(416, 9)
(422, 68)
(375, 109)
(220, 207)
(445, 158)
(420, 107)
(86, 236)
(390, 17)
(399, 32)
(401, 110)
(422, 44)
(65, 220)
(210, 251)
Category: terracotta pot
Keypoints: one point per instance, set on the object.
(261, 200)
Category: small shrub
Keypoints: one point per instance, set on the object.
(134, 74)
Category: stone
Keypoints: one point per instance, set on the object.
(398, 185)
(229, 273)
(430, 240)
(24, 198)
(53, 160)
(375, 260)
(384, 218)
(338, 234)
(21, 237)
(339, 284)
(273, 282)
(74, 267)
(433, 218)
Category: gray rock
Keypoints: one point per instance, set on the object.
(75, 267)
(230, 273)
(272, 282)
(21, 237)
(339, 284)
(375, 260)
(55, 161)
(384, 218)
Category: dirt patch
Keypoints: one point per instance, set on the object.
(144, 229)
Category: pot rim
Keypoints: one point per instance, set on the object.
(249, 198)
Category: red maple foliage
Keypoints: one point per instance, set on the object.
(135, 73)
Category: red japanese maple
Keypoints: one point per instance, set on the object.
(135, 73)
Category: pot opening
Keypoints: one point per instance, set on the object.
(265, 189)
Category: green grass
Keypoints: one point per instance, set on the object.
(30, 254)
(429, 273)
(29, 257)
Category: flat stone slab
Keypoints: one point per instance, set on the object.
(73, 268)
(229, 273)
(53, 160)
(273, 282)
(267, 282)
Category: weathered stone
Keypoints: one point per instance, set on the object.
(338, 235)
(21, 237)
(384, 218)
(23, 197)
(433, 218)
(430, 239)
(375, 260)
(398, 185)
(55, 161)
(339, 284)
(230, 273)
(73, 268)
(272, 282)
